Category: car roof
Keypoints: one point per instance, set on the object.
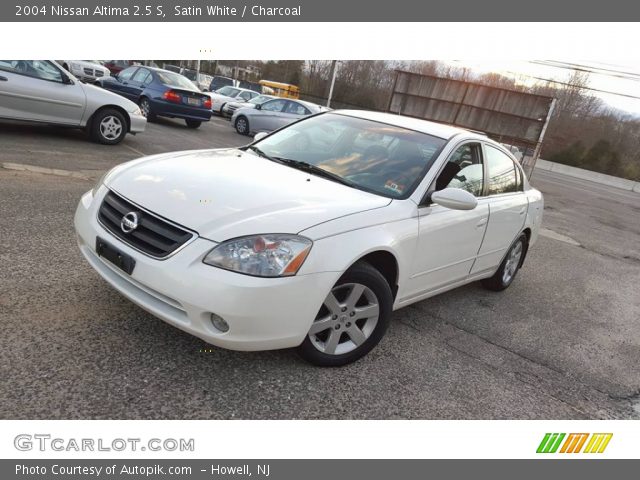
(424, 126)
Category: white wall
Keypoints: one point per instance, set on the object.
(583, 174)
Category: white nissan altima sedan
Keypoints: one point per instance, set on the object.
(311, 236)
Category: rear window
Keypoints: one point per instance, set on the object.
(175, 80)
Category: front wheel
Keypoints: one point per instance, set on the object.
(193, 123)
(509, 266)
(108, 127)
(352, 320)
(242, 125)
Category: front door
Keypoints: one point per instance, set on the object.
(35, 90)
(449, 240)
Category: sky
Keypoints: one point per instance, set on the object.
(609, 81)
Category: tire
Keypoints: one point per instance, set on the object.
(147, 111)
(221, 108)
(509, 267)
(193, 123)
(242, 125)
(340, 335)
(108, 127)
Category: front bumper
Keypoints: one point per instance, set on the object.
(262, 313)
(138, 123)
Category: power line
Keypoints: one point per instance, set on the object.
(635, 97)
(631, 76)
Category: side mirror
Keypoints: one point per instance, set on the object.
(259, 136)
(258, 107)
(454, 198)
(66, 79)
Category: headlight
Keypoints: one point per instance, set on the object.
(137, 112)
(270, 255)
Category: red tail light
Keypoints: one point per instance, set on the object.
(172, 96)
(207, 103)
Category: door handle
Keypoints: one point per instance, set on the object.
(481, 223)
(523, 211)
(3, 79)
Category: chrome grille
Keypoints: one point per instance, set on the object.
(153, 236)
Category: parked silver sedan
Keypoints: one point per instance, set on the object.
(229, 109)
(42, 91)
(272, 115)
(229, 94)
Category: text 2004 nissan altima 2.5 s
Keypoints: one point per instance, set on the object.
(311, 236)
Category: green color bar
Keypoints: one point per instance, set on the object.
(543, 443)
(550, 443)
(558, 442)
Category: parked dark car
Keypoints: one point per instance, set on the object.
(116, 66)
(217, 82)
(161, 93)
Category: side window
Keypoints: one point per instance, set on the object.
(33, 68)
(127, 73)
(502, 172)
(297, 109)
(141, 75)
(463, 170)
(273, 106)
(245, 96)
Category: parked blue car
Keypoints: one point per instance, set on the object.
(161, 93)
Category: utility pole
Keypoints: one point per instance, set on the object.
(332, 74)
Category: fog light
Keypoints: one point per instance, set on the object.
(219, 323)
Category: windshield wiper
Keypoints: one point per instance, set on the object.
(311, 168)
(304, 166)
(262, 154)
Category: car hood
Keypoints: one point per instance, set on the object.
(223, 194)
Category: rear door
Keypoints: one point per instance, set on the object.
(507, 208)
(294, 111)
(35, 90)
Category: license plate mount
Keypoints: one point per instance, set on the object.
(124, 262)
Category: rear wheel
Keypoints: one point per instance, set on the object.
(242, 125)
(193, 123)
(108, 127)
(509, 267)
(145, 108)
(352, 320)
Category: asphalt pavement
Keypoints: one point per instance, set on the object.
(561, 343)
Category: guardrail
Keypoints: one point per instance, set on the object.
(583, 174)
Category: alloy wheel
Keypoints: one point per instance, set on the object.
(513, 260)
(111, 127)
(145, 107)
(241, 125)
(348, 317)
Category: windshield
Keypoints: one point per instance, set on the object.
(228, 91)
(260, 99)
(175, 80)
(373, 156)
